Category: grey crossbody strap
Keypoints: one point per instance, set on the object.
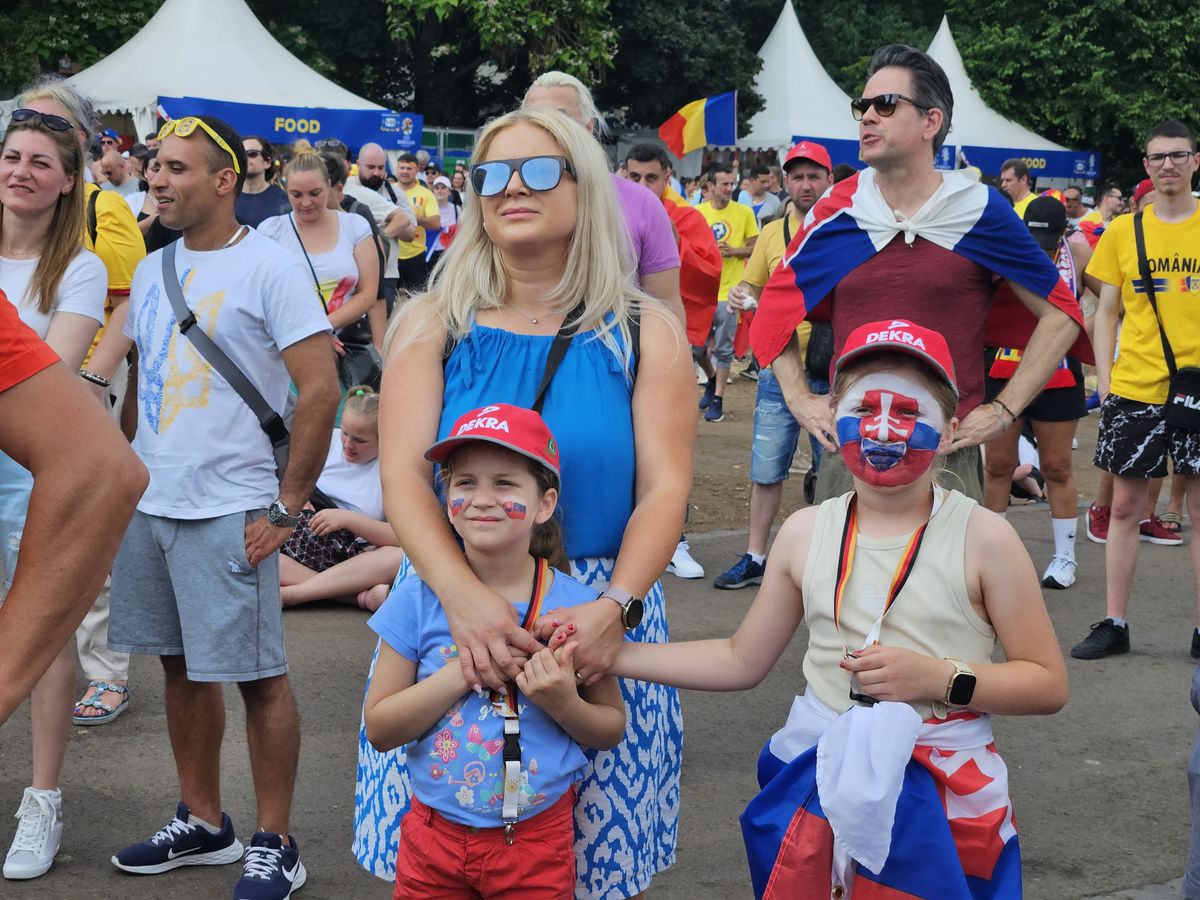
(269, 420)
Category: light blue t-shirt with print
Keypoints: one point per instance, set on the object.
(457, 767)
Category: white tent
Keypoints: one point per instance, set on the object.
(800, 97)
(216, 49)
(974, 123)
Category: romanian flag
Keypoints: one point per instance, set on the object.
(709, 121)
(699, 266)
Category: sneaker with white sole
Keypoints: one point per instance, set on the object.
(181, 843)
(1060, 574)
(271, 871)
(38, 835)
(1153, 531)
(682, 565)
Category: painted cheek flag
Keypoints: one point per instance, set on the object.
(699, 266)
(704, 122)
(853, 222)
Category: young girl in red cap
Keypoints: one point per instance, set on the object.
(493, 774)
(885, 775)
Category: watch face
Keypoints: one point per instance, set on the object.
(963, 689)
(634, 610)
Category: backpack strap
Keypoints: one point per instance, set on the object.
(93, 228)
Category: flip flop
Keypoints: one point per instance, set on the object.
(109, 712)
(1172, 522)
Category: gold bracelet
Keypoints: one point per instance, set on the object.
(1012, 415)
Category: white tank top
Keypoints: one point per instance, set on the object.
(932, 613)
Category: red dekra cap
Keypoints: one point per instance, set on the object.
(520, 430)
(810, 150)
(900, 335)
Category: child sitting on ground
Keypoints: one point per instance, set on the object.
(493, 775)
(886, 772)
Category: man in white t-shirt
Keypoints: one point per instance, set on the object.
(196, 581)
(370, 186)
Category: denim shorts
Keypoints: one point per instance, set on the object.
(776, 431)
(183, 587)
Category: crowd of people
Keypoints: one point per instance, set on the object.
(463, 401)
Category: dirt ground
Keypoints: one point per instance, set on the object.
(721, 486)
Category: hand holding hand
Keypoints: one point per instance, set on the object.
(893, 673)
(487, 640)
(597, 626)
(548, 679)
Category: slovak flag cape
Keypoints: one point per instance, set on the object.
(699, 266)
(853, 222)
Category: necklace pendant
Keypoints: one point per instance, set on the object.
(534, 321)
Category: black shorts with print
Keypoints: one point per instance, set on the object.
(1135, 440)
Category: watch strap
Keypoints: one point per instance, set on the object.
(960, 668)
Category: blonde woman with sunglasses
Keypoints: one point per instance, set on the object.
(541, 244)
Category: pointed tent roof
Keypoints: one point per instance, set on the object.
(799, 96)
(216, 49)
(974, 122)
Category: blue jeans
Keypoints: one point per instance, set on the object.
(776, 432)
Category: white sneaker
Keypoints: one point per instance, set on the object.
(682, 565)
(38, 835)
(1060, 574)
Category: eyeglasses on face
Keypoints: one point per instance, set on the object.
(538, 173)
(885, 105)
(187, 125)
(1178, 157)
(54, 123)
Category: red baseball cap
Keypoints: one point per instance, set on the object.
(1144, 187)
(810, 150)
(520, 430)
(900, 335)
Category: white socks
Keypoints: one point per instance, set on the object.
(1117, 620)
(1064, 536)
(193, 819)
(758, 558)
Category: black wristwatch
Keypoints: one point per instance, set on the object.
(961, 688)
(632, 608)
(278, 515)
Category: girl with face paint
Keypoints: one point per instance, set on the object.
(906, 588)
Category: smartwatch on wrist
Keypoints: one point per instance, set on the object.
(278, 515)
(632, 608)
(961, 688)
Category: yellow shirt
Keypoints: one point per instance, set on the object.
(765, 258)
(735, 225)
(1173, 251)
(423, 204)
(1019, 206)
(119, 244)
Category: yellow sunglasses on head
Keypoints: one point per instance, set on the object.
(185, 126)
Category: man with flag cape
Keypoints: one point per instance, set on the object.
(902, 240)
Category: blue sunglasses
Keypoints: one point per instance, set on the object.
(538, 173)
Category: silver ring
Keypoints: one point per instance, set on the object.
(579, 678)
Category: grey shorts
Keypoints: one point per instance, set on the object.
(183, 587)
(961, 471)
(721, 335)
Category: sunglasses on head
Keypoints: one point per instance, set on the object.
(54, 123)
(188, 124)
(538, 173)
(885, 105)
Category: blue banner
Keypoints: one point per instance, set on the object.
(285, 124)
(1082, 164)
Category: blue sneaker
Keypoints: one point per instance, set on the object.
(272, 871)
(741, 574)
(181, 844)
(716, 410)
(710, 391)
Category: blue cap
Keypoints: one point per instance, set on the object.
(109, 133)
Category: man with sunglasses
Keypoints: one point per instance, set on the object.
(1135, 438)
(109, 140)
(260, 198)
(902, 240)
(196, 581)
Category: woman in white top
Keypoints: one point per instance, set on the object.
(336, 247)
(59, 290)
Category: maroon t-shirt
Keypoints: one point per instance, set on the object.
(929, 286)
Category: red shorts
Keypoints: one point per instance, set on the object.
(442, 860)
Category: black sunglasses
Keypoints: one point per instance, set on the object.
(54, 123)
(255, 154)
(538, 173)
(885, 105)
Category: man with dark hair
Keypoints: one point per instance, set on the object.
(1014, 181)
(411, 267)
(1110, 204)
(1073, 201)
(1135, 438)
(196, 581)
(759, 197)
(736, 229)
(260, 198)
(902, 240)
(151, 141)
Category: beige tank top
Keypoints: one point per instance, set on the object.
(932, 613)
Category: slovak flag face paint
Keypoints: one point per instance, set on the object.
(889, 426)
